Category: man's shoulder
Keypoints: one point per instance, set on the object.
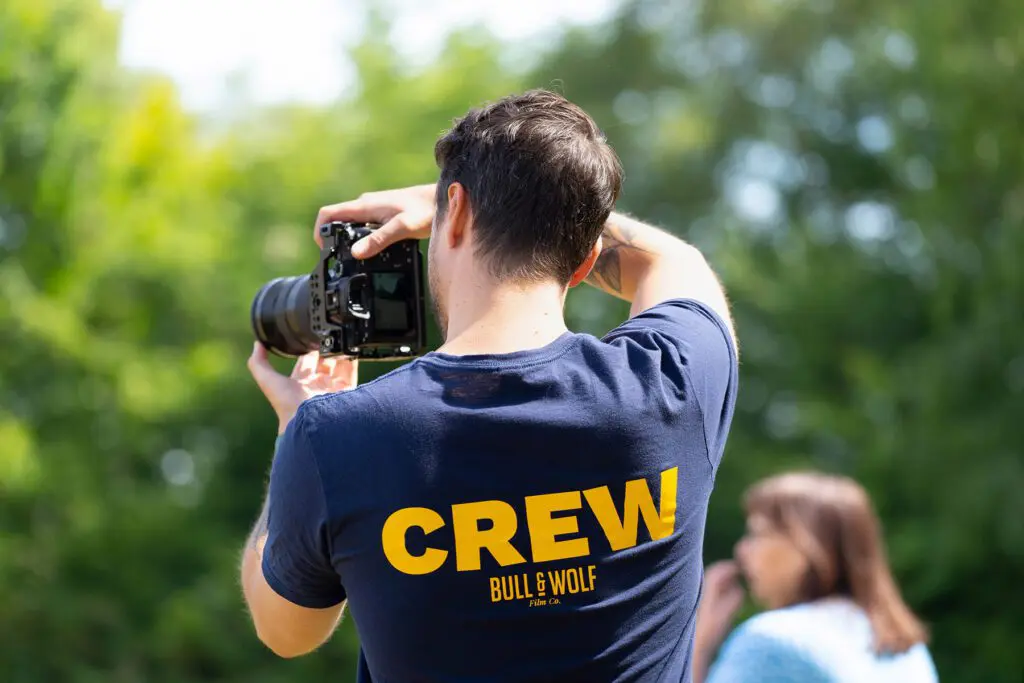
(677, 317)
(356, 408)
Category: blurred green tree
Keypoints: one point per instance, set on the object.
(853, 169)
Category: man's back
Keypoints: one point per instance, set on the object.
(529, 516)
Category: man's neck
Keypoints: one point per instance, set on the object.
(504, 319)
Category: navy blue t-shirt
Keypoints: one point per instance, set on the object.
(529, 516)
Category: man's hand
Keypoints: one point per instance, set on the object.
(404, 214)
(310, 377)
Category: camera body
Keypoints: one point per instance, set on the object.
(370, 309)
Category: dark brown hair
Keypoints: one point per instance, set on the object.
(541, 181)
(832, 522)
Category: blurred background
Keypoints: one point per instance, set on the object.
(853, 169)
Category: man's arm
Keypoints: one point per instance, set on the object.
(288, 629)
(302, 608)
(639, 263)
(646, 266)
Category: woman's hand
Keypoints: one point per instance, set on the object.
(720, 601)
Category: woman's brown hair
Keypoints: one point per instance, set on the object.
(833, 523)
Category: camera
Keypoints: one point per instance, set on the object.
(371, 309)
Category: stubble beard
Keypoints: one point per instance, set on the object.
(437, 305)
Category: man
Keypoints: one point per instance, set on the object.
(525, 503)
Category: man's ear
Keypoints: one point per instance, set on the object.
(457, 215)
(583, 271)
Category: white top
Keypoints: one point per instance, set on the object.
(829, 641)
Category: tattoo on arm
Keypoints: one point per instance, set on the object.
(607, 272)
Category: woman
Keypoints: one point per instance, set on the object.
(813, 556)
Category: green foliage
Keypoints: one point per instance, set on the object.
(853, 169)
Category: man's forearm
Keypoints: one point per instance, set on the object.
(630, 250)
(702, 656)
(645, 266)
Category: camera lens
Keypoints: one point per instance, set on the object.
(280, 317)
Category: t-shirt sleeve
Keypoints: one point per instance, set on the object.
(695, 342)
(297, 558)
(749, 656)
